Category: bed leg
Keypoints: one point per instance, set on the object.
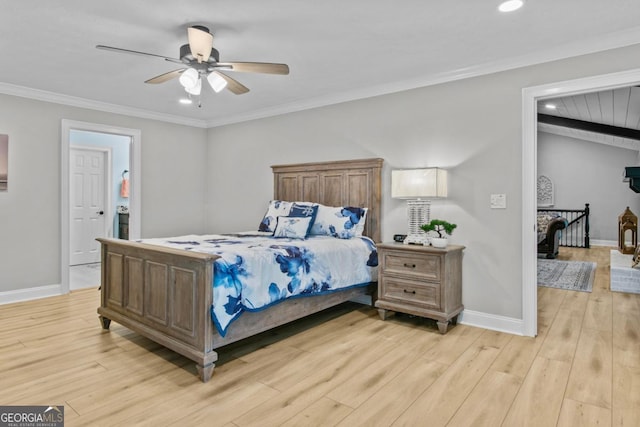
(205, 372)
(105, 322)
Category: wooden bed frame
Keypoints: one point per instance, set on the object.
(166, 294)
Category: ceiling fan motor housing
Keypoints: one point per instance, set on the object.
(188, 58)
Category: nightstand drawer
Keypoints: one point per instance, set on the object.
(427, 266)
(407, 291)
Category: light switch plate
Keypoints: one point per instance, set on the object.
(498, 201)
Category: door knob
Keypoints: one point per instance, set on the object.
(100, 212)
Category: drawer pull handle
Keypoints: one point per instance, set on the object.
(409, 265)
(409, 292)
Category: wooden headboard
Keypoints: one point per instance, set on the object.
(339, 183)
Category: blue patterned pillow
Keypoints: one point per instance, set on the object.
(302, 209)
(276, 208)
(293, 227)
(343, 222)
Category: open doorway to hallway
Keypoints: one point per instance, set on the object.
(98, 199)
(105, 198)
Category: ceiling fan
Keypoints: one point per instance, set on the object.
(200, 61)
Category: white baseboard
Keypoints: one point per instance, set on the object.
(467, 317)
(29, 294)
(85, 286)
(491, 321)
(603, 243)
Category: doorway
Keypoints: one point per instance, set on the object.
(530, 98)
(69, 144)
(89, 175)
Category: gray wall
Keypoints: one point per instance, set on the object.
(173, 167)
(196, 180)
(471, 127)
(588, 172)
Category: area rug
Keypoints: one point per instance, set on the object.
(571, 275)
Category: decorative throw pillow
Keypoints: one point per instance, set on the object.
(343, 222)
(543, 222)
(303, 209)
(276, 208)
(292, 227)
(361, 215)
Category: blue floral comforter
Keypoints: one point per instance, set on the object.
(256, 271)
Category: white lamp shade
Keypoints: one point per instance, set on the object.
(195, 90)
(189, 78)
(419, 183)
(216, 81)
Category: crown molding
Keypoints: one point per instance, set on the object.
(586, 46)
(73, 101)
(592, 45)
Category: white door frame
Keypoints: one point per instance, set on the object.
(530, 97)
(135, 151)
(107, 192)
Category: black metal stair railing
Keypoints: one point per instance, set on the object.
(576, 234)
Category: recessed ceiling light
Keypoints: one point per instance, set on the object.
(510, 5)
(550, 106)
(186, 101)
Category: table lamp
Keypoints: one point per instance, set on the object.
(418, 187)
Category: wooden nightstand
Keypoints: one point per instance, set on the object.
(420, 280)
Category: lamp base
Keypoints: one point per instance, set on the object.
(417, 214)
(416, 239)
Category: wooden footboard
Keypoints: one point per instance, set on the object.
(162, 293)
(166, 295)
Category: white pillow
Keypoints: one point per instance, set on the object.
(293, 227)
(276, 208)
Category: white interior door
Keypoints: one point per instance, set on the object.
(87, 204)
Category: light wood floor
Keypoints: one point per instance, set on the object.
(343, 368)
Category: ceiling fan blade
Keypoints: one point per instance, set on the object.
(135, 52)
(256, 67)
(232, 84)
(166, 76)
(200, 42)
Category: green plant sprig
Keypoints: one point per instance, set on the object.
(439, 226)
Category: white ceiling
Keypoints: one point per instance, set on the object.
(336, 50)
(618, 107)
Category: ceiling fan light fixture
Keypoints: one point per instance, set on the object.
(195, 89)
(510, 5)
(189, 78)
(216, 81)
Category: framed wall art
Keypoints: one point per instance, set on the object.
(545, 191)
